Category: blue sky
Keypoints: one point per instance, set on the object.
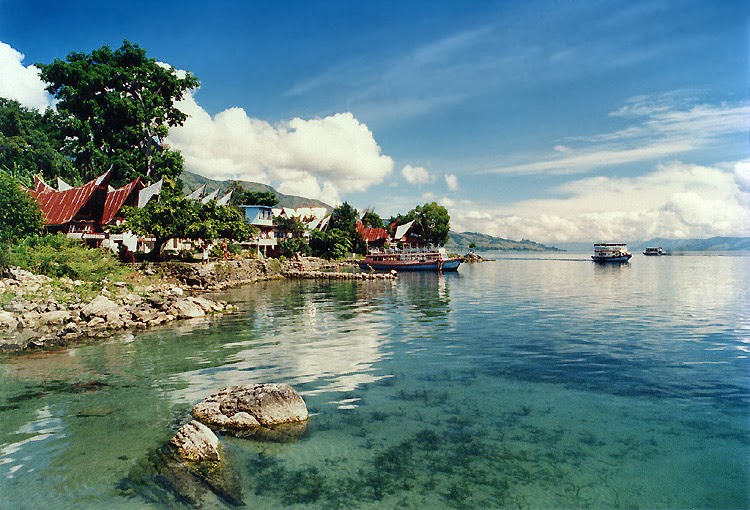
(551, 121)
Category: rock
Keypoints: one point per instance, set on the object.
(186, 309)
(196, 442)
(8, 320)
(100, 306)
(55, 318)
(244, 410)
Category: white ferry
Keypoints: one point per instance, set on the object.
(611, 252)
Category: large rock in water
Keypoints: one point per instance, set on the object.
(196, 442)
(272, 411)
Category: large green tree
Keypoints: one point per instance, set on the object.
(431, 223)
(174, 216)
(116, 107)
(332, 244)
(31, 143)
(20, 216)
(344, 218)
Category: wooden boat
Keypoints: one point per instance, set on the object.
(409, 259)
(611, 252)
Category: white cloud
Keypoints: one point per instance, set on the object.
(416, 174)
(675, 200)
(19, 82)
(661, 127)
(317, 158)
(451, 181)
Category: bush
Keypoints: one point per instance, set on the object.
(19, 213)
(290, 247)
(58, 256)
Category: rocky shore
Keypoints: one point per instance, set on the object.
(40, 312)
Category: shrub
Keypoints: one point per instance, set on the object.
(58, 256)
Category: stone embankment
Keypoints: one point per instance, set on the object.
(37, 311)
(44, 312)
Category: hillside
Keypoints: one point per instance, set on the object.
(710, 244)
(193, 181)
(673, 245)
(459, 242)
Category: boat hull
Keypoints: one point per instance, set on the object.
(444, 266)
(607, 260)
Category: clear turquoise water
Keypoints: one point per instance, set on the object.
(528, 382)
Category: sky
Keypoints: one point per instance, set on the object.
(543, 120)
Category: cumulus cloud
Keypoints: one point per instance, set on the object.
(416, 174)
(21, 82)
(675, 200)
(451, 181)
(317, 158)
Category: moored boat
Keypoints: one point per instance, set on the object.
(653, 252)
(409, 259)
(611, 252)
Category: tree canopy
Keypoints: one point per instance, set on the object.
(20, 216)
(31, 143)
(178, 217)
(431, 223)
(116, 108)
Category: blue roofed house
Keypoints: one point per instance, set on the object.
(261, 217)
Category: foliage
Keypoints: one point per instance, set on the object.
(290, 225)
(58, 256)
(372, 219)
(344, 218)
(247, 197)
(291, 247)
(116, 108)
(332, 244)
(19, 213)
(431, 223)
(177, 217)
(31, 143)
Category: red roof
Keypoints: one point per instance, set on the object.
(59, 207)
(115, 199)
(370, 234)
(40, 185)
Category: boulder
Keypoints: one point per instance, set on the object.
(196, 442)
(246, 410)
(101, 306)
(186, 309)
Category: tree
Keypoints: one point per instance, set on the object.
(431, 223)
(290, 225)
(20, 216)
(266, 198)
(177, 217)
(372, 219)
(344, 218)
(31, 143)
(116, 108)
(332, 244)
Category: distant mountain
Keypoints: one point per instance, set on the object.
(711, 244)
(193, 181)
(674, 245)
(459, 242)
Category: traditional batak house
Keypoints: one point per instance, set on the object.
(373, 237)
(83, 212)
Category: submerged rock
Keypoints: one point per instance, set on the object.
(274, 411)
(196, 442)
(191, 470)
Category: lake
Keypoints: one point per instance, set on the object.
(533, 381)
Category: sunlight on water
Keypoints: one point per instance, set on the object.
(531, 381)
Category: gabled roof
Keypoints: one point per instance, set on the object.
(59, 207)
(40, 185)
(197, 194)
(401, 230)
(210, 196)
(371, 234)
(149, 191)
(116, 199)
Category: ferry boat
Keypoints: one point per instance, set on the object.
(611, 252)
(653, 252)
(409, 259)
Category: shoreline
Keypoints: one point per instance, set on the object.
(40, 313)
